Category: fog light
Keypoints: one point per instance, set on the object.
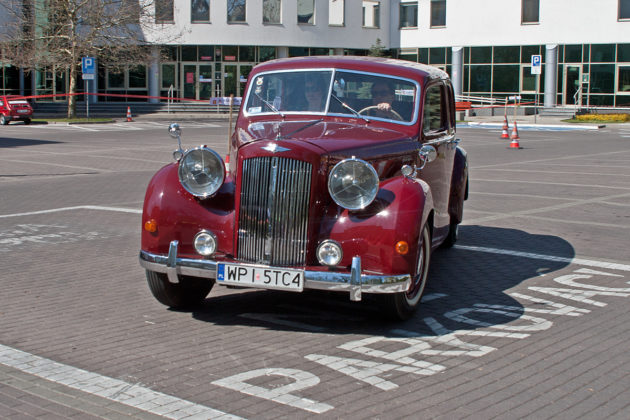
(205, 243)
(329, 253)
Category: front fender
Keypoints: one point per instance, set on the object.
(180, 216)
(398, 213)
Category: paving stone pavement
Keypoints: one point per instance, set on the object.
(525, 318)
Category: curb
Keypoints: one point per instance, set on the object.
(521, 125)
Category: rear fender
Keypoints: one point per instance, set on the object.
(398, 213)
(459, 186)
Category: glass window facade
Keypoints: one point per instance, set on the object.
(236, 11)
(530, 11)
(164, 11)
(624, 9)
(271, 11)
(336, 12)
(408, 15)
(306, 12)
(200, 11)
(371, 14)
(438, 13)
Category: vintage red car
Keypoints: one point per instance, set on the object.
(15, 108)
(344, 174)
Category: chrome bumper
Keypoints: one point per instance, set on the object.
(354, 282)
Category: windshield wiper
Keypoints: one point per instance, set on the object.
(345, 105)
(304, 127)
(269, 104)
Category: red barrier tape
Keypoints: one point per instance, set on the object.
(115, 95)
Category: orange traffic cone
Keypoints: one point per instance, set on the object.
(515, 138)
(506, 127)
(129, 119)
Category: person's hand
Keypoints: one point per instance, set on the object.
(384, 106)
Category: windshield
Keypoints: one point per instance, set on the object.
(357, 94)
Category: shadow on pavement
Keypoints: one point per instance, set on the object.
(11, 142)
(458, 278)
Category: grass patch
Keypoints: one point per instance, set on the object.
(72, 120)
(601, 118)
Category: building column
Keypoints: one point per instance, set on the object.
(551, 75)
(282, 52)
(154, 76)
(339, 51)
(457, 70)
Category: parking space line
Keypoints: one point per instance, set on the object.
(30, 162)
(104, 208)
(530, 255)
(132, 395)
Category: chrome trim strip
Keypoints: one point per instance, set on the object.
(171, 262)
(442, 140)
(320, 280)
(355, 279)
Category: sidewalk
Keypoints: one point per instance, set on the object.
(524, 121)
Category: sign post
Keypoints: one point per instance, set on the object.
(537, 70)
(88, 67)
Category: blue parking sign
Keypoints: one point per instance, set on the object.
(536, 64)
(88, 65)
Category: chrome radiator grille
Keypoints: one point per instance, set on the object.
(273, 218)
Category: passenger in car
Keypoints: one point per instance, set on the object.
(314, 91)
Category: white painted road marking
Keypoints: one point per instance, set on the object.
(576, 261)
(30, 213)
(132, 395)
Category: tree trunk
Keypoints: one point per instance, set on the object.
(72, 89)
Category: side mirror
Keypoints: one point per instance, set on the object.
(175, 132)
(427, 155)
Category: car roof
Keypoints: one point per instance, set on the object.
(387, 66)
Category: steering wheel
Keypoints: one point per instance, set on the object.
(391, 111)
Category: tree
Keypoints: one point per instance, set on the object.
(378, 49)
(55, 34)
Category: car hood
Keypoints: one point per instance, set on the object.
(336, 139)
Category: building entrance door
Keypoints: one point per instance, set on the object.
(572, 80)
(234, 78)
(197, 80)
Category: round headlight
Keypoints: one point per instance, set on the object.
(353, 184)
(201, 172)
(329, 253)
(205, 243)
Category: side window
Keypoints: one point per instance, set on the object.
(434, 111)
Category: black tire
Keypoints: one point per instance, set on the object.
(189, 292)
(452, 236)
(4, 120)
(401, 306)
(27, 121)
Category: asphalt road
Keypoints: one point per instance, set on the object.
(527, 317)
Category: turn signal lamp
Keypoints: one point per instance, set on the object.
(402, 247)
(150, 226)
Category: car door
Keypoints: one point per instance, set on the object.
(438, 130)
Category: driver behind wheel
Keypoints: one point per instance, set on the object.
(383, 95)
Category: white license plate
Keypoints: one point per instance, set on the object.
(22, 111)
(261, 277)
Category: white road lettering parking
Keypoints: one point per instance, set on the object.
(280, 394)
(402, 350)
